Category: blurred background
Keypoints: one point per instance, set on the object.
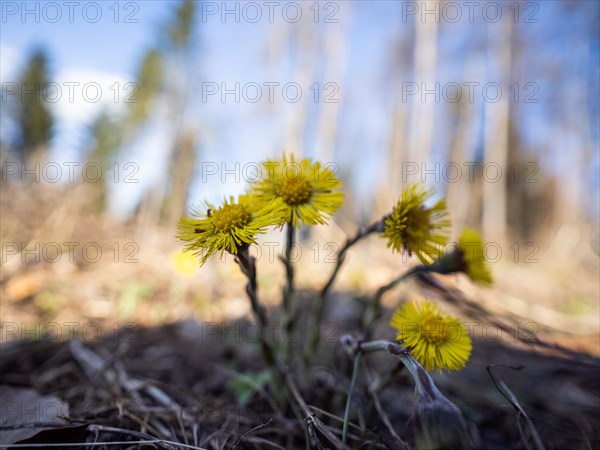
(117, 117)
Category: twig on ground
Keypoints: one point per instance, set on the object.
(252, 430)
(143, 438)
(512, 399)
(311, 419)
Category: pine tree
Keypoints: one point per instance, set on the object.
(34, 117)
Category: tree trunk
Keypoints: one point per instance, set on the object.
(496, 140)
(423, 107)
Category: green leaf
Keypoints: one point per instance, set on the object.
(244, 386)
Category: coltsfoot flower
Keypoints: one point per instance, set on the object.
(436, 340)
(309, 190)
(230, 227)
(414, 227)
(467, 257)
(470, 247)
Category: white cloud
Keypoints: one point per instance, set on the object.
(77, 96)
(82, 94)
(10, 63)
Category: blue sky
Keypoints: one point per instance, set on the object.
(105, 45)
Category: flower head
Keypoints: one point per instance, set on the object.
(470, 247)
(227, 228)
(414, 227)
(467, 257)
(436, 340)
(308, 190)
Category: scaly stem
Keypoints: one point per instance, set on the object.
(247, 264)
(355, 369)
(288, 290)
(375, 227)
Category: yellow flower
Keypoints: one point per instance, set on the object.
(309, 190)
(228, 228)
(467, 257)
(470, 249)
(184, 263)
(435, 340)
(416, 228)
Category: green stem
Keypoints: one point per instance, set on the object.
(355, 369)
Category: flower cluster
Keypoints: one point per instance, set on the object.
(295, 192)
(291, 192)
(436, 340)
